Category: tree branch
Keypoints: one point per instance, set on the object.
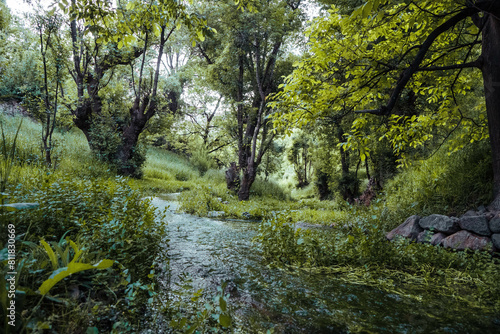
(414, 67)
(477, 63)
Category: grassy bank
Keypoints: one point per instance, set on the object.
(85, 253)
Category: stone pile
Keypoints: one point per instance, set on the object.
(475, 230)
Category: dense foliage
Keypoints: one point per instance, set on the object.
(336, 130)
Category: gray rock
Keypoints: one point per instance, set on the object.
(215, 214)
(495, 238)
(409, 229)
(481, 209)
(440, 223)
(476, 224)
(489, 215)
(437, 238)
(469, 213)
(466, 240)
(495, 224)
(424, 236)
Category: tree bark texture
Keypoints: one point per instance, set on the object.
(491, 79)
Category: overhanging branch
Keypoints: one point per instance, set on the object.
(414, 67)
(477, 63)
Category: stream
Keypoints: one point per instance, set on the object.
(212, 251)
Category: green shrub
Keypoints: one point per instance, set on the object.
(268, 188)
(201, 160)
(446, 184)
(106, 143)
(108, 212)
(203, 199)
(108, 220)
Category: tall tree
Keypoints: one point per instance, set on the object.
(102, 39)
(392, 48)
(244, 62)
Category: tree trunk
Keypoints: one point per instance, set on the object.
(367, 170)
(491, 79)
(125, 153)
(248, 178)
(233, 178)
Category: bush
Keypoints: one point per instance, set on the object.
(203, 199)
(106, 142)
(107, 219)
(347, 184)
(202, 161)
(268, 188)
(446, 184)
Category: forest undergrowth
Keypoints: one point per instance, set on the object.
(81, 257)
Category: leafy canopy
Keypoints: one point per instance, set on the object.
(356, 60)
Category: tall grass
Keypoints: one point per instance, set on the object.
(447, 184)
(71, 153)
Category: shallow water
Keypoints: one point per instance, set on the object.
(211, 251)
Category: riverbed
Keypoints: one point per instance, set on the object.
(207, 252)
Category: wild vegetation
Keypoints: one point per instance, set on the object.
(323, 133)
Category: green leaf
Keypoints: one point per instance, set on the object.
(367, 8)
(222, 304)
(225, 320)
(300, 241)
(156, 29)
(42, 325)
(201, 37)
(50, 253)
(19, 206)
(72, 268)
(92, 330)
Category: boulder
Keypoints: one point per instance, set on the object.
(409, 229)
(440, 223)
(475, 224)
(437, 238)
(495, 238)
(470, 213)
(466, 240)
(495, 224)
(424, 236)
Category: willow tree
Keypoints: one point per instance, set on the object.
(434, 50)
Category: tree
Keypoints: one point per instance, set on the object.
(299, 155)
(244, 64)
(103, 39)
(392, 48)
(47, 26)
